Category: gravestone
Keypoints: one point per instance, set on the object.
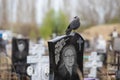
(117, 74)
(35, 53)
(39, 65)
(101, 45)
(66, 56)
(93, 63)
(116, 44)
(116, 48)
(45, 68)
(41, 69)
(20, 48)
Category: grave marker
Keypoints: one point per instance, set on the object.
(20, 48)
(39, 63)
(116, 44)
(41, 69)
(66, 50)
(93, 63)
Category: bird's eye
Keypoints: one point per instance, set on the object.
(75, 17)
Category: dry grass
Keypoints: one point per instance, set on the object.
(104, 30)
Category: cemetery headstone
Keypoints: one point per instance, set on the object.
(39, 65)
(116, 44)
(116, 48)
(45, 68)
(35, 53)
(93, 63)
(66, 56)
(117, 75)
(41, 69)
(19, 56)
(114, 33)
(101, 45)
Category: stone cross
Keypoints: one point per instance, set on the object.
(35, 53)
(93, 63)
(39, 64)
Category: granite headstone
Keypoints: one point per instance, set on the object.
(20, 48)
(66, 57)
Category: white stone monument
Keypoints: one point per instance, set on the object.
(41, 69)
(39, 65)
(101, 45)
(93, 63)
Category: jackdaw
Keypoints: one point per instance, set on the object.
(73, 25)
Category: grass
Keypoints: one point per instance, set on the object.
(104, 30)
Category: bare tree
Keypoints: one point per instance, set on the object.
(33, 12)
(4, 18)
(26, 11)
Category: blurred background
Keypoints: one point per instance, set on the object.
(42, 18)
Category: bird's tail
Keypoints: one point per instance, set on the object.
(68, 31)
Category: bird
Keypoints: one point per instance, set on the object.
(75, 24)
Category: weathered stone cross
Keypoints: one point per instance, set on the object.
(93, 63)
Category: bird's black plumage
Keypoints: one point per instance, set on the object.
(73, 25)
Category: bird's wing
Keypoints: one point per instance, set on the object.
(68, 30)
(74, 24)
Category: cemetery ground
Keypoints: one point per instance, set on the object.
(104, 30)
(104, 73)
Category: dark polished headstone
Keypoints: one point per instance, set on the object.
(66, 57)
(20, 48)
